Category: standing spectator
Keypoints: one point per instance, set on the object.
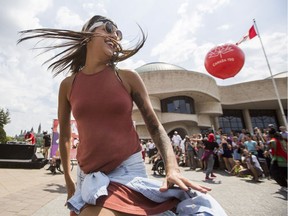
(178, 154)
(47, 144)
(200, 151)
(250, 145)
(278, 167)
(227, 155)
(112, 178)
(30, 138)
(236, 148)
(283, 132)
(75, 142)
(218, 137)
(143, 146)
(208, 156)
(182, 146)
(176, 139)
(230, 135)
(241, 136)
(258, 135)
(190, 150)
(152, 150)
(262, 160)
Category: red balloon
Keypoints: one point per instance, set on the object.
(224, 61)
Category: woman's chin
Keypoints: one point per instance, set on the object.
(109, 52)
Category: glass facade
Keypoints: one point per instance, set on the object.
(231, 120)
(262, 118)
(179, 104)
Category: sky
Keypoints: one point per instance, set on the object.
(180, 32)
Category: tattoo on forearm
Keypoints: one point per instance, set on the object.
(158, 134)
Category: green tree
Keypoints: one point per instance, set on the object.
(2, 135)
(4, 117)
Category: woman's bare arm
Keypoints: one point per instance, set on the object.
(158, 134)
(64, 117)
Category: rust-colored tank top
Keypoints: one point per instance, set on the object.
(102, 109)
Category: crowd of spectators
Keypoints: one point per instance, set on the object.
(261, 154)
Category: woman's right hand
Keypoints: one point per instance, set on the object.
(70, 186)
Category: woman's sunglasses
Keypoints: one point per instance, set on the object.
(109, 28)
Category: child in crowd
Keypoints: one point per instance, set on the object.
(236, 169)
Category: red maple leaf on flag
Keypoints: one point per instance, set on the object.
(251, 34)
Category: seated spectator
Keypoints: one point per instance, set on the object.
(152, 150)
(236, 169)
(253, 166)
(155, 159)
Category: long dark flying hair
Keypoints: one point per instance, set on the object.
(74, 54)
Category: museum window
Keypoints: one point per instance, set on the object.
(231, 120)
(179, 104)
(262, 118)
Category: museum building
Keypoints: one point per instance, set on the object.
(192, 102)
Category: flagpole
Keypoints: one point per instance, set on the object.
(273, 81)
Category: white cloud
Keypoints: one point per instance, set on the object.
(23, 13)
(93, 8)
(181, 41)
(223, 27)
(131, 64)
(211, 6)
(67, 18)
(197, 59)
(180, 33)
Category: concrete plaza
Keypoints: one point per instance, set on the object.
(34, 192)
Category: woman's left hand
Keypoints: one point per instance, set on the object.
(175, 178)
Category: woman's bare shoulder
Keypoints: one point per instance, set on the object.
(67, 82)
(66, 85)
(128, 74)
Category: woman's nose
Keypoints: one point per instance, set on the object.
(114, 35)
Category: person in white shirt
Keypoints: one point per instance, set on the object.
(176, 139)
(283, 132)
(253, 166)
(151, 150)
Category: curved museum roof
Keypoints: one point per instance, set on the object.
(158, 66)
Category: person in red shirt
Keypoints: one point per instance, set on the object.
(30, 138)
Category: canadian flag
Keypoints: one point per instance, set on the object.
(251, 34)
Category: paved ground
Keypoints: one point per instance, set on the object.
(39, 193)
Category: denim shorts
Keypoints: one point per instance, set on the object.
(132, 174)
